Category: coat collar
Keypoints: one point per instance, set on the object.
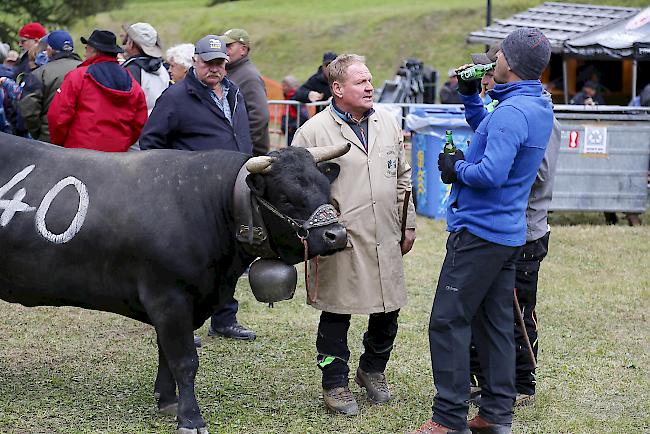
(348, 134)
(504, 91)
(100, 58)
(195, 87)
(231, 66)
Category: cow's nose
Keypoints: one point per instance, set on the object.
(336, 237)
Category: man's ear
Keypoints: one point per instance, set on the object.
(331, 170)
(336, 89)
(256, 183)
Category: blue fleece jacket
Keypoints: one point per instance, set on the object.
(490, 197)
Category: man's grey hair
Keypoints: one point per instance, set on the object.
(182, 54)
(291, 81)
(4, 51)
(338, 68)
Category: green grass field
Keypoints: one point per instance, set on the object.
(66, 370)
(290, 36)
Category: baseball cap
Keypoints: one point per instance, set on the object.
(486, 58)
(328, 57)
(211, 47)
(236, 35)
(146, 37)
(451, 73)
(60, 40)
(32, 31)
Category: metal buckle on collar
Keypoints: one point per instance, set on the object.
(258, 233)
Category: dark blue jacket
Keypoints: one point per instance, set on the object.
(185, 117)
(491, 194)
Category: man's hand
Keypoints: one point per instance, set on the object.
(467, 87)
(409, 239)
(314, 96)
(446, 163)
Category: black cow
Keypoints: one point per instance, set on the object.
(149, 235)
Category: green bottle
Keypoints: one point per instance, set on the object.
(449, 148)
(476, 72)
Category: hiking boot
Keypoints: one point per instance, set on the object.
(340, 400)
(233, 331)
(478, 425)
(431, 427)
(375, 385)
(523, 400)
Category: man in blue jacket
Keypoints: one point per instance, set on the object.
(202, 112)
(487, 224)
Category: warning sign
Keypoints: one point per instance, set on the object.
(595, 140)
(573, 140)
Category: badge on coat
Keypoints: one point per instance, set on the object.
(391, 164)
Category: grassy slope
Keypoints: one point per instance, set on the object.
(290, 36)
(72, 371)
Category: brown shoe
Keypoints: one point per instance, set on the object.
(340, 400)
(431, 427)
(478, 425)
(375, 385)
(523, 400)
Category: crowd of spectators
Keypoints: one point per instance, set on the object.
(48, 86)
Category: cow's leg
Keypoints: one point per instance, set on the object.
(165, 387)
(176, 338)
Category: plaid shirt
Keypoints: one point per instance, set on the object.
(222, 103)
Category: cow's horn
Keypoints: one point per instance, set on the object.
(259, 164)
(325, 153)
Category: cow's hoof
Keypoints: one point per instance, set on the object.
(203, 430)
(169, 409)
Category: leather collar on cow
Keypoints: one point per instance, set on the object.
(247, 215)
(251, 232)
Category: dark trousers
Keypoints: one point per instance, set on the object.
(473, 297)
(226, 315)
(333, 351)
(527, 271)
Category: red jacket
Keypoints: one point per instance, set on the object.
(98, 106)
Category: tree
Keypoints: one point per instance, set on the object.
(51, 13)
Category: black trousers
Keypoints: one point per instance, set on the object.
(473, 297)
(226, 315)
(334, 354)
(527, 271)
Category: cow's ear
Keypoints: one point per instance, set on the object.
(256, 183)
(331, 170)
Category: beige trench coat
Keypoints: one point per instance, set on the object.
(368, 276)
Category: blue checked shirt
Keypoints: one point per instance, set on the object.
(222, 103)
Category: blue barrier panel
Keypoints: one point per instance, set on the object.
(428, 125)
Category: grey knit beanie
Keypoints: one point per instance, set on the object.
(527, 52)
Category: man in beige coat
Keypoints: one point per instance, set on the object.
(368, 276)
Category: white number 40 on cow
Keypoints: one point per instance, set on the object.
(10, 207)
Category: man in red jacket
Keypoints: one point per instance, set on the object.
(99, 105)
